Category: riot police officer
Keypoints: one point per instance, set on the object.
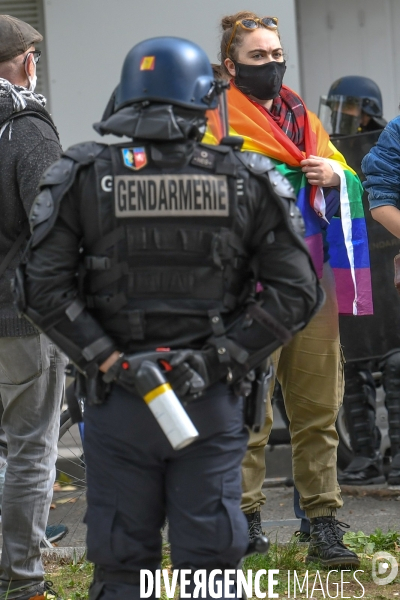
(370, 343)
(142, 265)
(353, 105)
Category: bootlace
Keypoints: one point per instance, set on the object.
(341, 524)
(333, 533)
(254, 527)
(49, 592)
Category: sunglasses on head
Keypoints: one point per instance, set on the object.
(36, 56)
(250, 24)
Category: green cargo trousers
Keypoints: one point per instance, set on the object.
(310, 371)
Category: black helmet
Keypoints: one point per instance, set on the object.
(168, 70)
(349, 99)
(363, 88)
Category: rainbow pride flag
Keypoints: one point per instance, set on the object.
(347, 234)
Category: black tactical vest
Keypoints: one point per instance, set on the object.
(165, 256)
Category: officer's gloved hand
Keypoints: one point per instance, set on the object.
(193, 371)
(189, 376)
(244, 387)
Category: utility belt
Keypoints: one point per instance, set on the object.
(147, 375)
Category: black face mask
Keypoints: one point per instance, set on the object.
(263, 82)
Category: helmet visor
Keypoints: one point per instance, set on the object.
(340, 115)
(217, 119)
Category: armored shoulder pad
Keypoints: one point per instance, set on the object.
(259, 164)
(256, 162)
(281, 185)
(55, 183)
(84, 153)
(60, 171)
(42, 208)
(57, 173)
(56, 180)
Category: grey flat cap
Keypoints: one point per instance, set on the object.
(16, 37)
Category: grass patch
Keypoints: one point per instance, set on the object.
(71, 579)
(368, 544)
(314, 578)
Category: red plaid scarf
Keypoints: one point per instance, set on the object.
(288, 111)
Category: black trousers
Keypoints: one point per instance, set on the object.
(135, 480)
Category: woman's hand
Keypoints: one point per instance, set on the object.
(319, 172)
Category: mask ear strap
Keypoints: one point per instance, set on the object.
(32, 82)
(26, 65)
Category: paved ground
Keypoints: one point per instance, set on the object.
(365, 509)
(70, 510)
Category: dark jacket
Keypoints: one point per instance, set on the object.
(25, 152)
(159, 282)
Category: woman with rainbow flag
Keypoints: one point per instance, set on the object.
(273, 120)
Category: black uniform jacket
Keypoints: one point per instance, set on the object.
(155, 272)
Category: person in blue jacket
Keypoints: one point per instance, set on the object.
(381, 167)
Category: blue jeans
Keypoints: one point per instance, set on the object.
(299, 512)
(31, 389)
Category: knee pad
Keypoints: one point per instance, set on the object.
(359, 404)
(360, 382)
(391, 385)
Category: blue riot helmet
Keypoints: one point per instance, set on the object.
(348, 99)
(366, 89)
(168, 89)
(168, 70)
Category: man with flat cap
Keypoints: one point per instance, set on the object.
(31, 367)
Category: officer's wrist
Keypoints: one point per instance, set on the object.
(109, 361)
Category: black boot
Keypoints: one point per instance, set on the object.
(327, 547)
(394, 473)
(254, 525)
(363, 471)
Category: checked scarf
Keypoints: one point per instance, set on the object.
(288, 112)
(19, 95)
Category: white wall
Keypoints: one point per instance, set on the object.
(350, 37)
(87, 40)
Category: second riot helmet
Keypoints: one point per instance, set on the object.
(348, 98)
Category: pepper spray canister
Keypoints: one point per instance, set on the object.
(165, 406)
